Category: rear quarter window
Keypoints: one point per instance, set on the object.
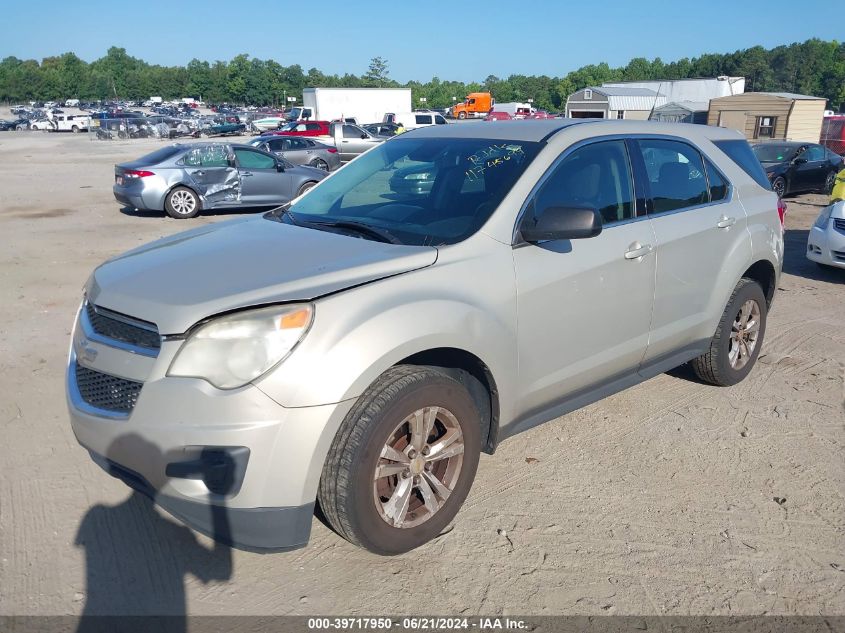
(739, 151)
(159, 155)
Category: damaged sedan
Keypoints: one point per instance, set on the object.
(186, 179)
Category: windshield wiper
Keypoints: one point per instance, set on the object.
(382, 235)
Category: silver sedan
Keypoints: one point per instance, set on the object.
(184, 179)
(299, 150)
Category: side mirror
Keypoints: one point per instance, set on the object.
(280, 166)
(562, 223)
(364, 136)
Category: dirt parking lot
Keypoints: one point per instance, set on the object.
(672, 497)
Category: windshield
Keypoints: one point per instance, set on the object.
(775, 153)
(426, 191)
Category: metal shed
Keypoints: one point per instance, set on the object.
(613, 103)
(764, 116)
(682, 112)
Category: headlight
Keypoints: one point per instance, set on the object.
(824, 217)
(230, 351)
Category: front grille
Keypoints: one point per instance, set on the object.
(839, 223)
(115, 326)
(840, 255)
(105, 391)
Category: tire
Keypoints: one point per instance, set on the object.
(305, 188)
(319, 163)
(719, 365)
(779, 186)
(829, 182)
(357, 504)
(462, 115)
(182, 203)
(75, 129)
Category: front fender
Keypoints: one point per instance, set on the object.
(359, 333)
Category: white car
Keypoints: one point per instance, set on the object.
(826, 242)
(422, 118)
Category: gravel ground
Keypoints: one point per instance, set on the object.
(672, 497)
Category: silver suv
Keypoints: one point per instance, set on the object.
(360, 347)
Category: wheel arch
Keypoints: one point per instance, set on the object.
(475, 375)
(763, 272)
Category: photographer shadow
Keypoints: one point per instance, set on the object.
(138, 562)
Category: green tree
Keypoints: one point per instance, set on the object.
(376, 74)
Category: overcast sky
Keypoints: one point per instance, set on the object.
(461, 41)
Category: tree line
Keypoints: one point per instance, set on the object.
(814, 67)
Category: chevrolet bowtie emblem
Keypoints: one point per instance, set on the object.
(87, 353)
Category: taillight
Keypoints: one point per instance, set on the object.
(781, 211)
(137, 173)
(332, 150)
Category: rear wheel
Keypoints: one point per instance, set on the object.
(319, 163)
(736, 344)
(402, 462)
(182, 203)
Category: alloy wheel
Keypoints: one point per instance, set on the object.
(182, 202)
(744, 334)
(779, 187)
(419, 467)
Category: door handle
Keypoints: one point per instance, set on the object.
(199, 173)
(725, 222)
(637, 250)
(246, 173)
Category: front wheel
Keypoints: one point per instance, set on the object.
(308, 186)
(182, 203)
(829, 182)
(462, 115)
(402, 462)
(736, 344)
(779, 186)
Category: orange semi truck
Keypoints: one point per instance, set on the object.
(477, 104)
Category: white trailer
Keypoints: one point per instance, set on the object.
(516, 110)
(365, 105)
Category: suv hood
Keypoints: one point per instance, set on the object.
(176, 281)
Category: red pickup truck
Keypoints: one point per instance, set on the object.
(302, 128)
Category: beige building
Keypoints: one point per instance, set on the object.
(770, 115)
(613, 103)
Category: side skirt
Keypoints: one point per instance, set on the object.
(604, 389)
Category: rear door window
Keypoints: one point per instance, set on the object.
(423, 119)
(676, 175)
(207, 156)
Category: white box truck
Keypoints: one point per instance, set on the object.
(365, 105)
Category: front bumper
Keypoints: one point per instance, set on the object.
(827, 246)
(278, 452)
